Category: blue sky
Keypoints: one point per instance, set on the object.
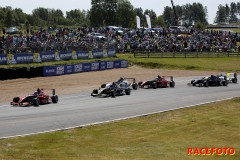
(66, 5)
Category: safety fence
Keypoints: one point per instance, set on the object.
(24, 58)
(31, 72)
(185, 54)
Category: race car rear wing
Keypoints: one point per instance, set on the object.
(171, 77)
(53, 90)
(134, 80)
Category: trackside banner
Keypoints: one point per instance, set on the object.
(111, 53)
(83, 67)
(20, 58)
(24, 58)
(3, 59)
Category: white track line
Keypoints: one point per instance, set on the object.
(103, 122)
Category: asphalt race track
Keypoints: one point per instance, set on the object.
(77, 110)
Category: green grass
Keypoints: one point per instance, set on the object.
(217, 64)
(159, 136)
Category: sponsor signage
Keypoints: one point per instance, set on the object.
(95, 66)
(77, 68)
(66, 55)
(68, 69)
(124, 64)
(87, 67)
(111, 52)
(109, 64)
(102, 65)
(20, 58)
(97, 54)
(47, 56)
(3, 59)
(49, 71)
(117, 64)
(82, 54)
(60, 70)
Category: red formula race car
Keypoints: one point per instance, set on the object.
(158, 82)
(37, 98)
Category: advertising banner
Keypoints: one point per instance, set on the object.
(124, 64)
(3, 59)
(82, 54)
(111, 52)
(65, 55)
(77, 68)
(49, 71)
(87, 67)
(117, 64)
(60, 70)
(102, 65)
(95, 66)
(97, 54)
(109, 64)
(68, 69)
(46, 56)
(20, 58)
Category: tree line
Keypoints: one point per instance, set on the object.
(114, 12)
(228, 14)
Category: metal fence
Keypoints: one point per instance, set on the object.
(52, 46)
(184, 54)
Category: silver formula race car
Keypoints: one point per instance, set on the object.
(113, 89)
(231, 77)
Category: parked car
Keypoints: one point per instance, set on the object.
(12, 30)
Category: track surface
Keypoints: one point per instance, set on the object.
(81, 109)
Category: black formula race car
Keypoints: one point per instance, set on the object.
(209, 81)
(113, 89)
(158, 82)
(39, 97)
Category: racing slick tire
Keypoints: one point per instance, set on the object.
(172, 84)
(206, 84)
(234, 80)
(55, 99)
(95, 91)
(154, 85)
(36, 102)
(16, 99)
(128, 91)
(225, 83)
(235, 75)
(103, 86)
(113, 94)
(139, 83)
(135, 86)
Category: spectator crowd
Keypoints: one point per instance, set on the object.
(122, 39)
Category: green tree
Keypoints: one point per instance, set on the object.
(160, 21)
(126, 15)
(8, 18)
(199, 25)
(97, 13)
(233, 12)
(168, 16)
(221, 14)
(110, 14)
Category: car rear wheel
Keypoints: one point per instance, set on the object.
(113, 94)
(16, 99)
(128, 91)
(172, 84)
(36, 102)
(206, 84)
(225, 83)
(135, 86)
(55, 99)
(234, 80)
(154, 85)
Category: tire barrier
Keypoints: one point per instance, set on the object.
(32, 72)
(15, 73)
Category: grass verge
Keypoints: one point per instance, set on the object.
(159, 136)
